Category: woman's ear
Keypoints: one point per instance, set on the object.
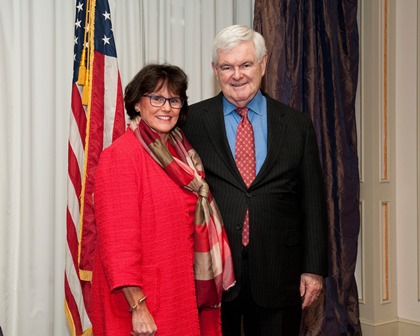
(137, 107)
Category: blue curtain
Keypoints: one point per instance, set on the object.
(313, 49)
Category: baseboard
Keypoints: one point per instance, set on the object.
(398, 327)
(409, 328)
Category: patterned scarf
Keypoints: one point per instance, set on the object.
(213, 268)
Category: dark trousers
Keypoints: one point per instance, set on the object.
(243, 317)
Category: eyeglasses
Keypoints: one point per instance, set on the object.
(158, 101)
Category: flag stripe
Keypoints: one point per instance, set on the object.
(73, 290)
(72, 311)
(74, 170)
(77, 295)
(79, 115)
(119, 120)
(110, 98)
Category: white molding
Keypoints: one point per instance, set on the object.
(404, 327)
(384, 145)
(376, 323)
(385, 252)
(410, 322)
(360, 264)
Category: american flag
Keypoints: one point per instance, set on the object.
(96, 120)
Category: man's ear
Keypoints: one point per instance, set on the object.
(264, 63)
(214, 67)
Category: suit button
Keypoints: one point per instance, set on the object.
(239, 227)
(249, 195)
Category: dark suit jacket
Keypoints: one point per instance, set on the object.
(288, 225)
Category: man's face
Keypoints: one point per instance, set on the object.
(239, 73)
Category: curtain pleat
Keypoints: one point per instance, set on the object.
(313, 66)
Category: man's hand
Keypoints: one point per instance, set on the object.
(310, 288)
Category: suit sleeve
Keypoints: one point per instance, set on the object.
(315, 259)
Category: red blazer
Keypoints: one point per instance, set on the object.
(144, 229)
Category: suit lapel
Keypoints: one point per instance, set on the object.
(276, 132)
(215, 127)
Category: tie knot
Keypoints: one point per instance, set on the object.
(242, 111)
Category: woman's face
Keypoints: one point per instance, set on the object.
(160, 118)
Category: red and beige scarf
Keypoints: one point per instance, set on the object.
(213, 268)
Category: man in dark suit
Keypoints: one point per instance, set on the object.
(280, 267)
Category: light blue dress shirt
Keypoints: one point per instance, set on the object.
(257, 115)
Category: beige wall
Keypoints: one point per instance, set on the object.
(389, 260)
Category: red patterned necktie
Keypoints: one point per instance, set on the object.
(245, 159)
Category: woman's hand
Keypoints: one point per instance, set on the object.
(143, 322)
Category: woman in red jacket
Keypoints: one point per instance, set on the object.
(162, 258)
